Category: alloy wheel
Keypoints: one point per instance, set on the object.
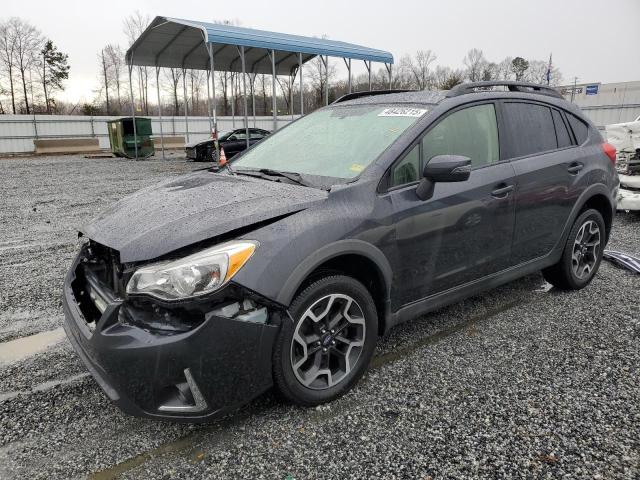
(328, 341)
(586, 249)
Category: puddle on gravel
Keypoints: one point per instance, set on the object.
(21, 348)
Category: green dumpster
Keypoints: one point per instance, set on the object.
(123, 142)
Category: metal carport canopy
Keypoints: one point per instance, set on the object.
(177, 43)
(187, 44)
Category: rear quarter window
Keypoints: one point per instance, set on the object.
(580, 129)
(531, 129)
(562, 133)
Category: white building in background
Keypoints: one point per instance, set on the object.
(606, 103)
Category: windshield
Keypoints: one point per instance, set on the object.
(338, 142)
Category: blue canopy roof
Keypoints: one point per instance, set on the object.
(177, 43)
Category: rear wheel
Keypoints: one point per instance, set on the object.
(582, 253)
(326, 349)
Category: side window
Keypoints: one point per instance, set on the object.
(531, 129)
(562, 134)
(471, 132)
(240, 136)
(580, 129)
(408, 170)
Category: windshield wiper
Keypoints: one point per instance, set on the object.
(267, 173)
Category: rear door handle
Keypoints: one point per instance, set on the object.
(502, 192)
(575, 167)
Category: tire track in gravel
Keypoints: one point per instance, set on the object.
(188, 445)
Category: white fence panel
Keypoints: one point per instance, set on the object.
(17, 132)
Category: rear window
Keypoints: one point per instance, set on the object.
(580, 129)
(337, 142)
(531, 129)
(564, 139)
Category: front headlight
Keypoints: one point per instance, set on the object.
(192, 276)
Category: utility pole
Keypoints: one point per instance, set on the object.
(573, 90)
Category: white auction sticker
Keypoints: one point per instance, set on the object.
(402, 112)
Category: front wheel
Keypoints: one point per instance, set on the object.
(327, 346)
(582, 253)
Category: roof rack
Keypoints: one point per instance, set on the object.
(370, 93)
(522, 87)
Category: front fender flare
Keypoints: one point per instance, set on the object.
(341, 247)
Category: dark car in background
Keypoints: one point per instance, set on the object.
(348, 221)
(233, 143)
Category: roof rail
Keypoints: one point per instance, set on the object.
(370, 93)
(523, 87)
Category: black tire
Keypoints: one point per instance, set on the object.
(286, 379)
(562, 274)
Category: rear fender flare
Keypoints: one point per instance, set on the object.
(589, 192)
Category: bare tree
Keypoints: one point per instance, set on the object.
(7, 56)
(420, 69)
(28, 42)
(114, 57)
(134, 25)
(504, 71)
(263, 84)
(106, 78)
(174, 75)
(225, 81)
(316, 72)
(446, 78)
(537, 73)
(489, 71)
(196, 80)
(474, 61)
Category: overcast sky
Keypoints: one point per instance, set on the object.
(595, 40)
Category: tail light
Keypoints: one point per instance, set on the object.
(610, 151)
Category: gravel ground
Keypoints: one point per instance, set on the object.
(523, 381)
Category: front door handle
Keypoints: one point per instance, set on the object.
(575, 167)
(502, 191)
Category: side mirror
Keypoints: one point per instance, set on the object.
(447, 168)
(443, 168)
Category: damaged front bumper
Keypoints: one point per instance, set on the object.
(183, 374)
(629, 192)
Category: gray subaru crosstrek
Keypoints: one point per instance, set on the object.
(191, 297)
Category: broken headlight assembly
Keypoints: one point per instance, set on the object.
(192, 276)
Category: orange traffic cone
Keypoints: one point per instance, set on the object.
(223, 158)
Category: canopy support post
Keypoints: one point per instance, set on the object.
(209, 102)
(349, 67)
(186, 106)
(244, 95)
(253, 99)
(133, 110)
(368, 65)
(301, 84)
(160, 111)
(213, 87)
(388, 67)
(291, 78)
(326, 80)
(233, 79)
(274, 99)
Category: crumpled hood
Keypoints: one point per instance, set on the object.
(188, 209)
